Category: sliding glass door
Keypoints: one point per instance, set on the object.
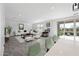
(61, 30)
(77, 31)
(69, 30)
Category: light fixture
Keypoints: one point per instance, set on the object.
(52, 8)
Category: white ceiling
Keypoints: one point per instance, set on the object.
(36, 12)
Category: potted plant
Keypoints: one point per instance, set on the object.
(8, 30)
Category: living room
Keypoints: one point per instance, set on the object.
(25, 23)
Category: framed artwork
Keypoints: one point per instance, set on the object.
(75, 6)
(21, 26)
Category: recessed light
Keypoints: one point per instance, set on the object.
(19, 15)
(52, 7)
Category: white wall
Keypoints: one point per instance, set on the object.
(1, 29)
